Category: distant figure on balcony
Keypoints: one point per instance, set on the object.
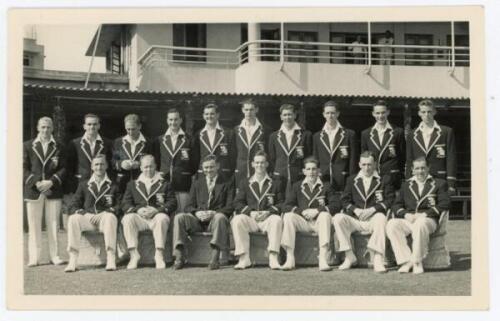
(288, 147)
(336, 149)
(83, 149)
(434, 142)
(358, 52)
(387, 143)
(128, 150)
(249, 137)
(386, 51)
(213, 139)
(173, 151)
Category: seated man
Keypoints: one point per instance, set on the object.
(93, 209)
(417, 209)
(147, 204)
(257, 204)
(209, 206)
(366, 199)
(308, 208)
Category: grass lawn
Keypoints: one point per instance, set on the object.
(49, 279)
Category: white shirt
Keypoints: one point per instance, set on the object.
(367, 180)
(427, 132)
(45, 144)
(211, 133)
(381, 131)
(254, 179)
(174, 136)
(357, 49)
(420, 184)
(250, 129)
(331, 132)
(289, 133)
(92, 143)
(313, 185)
(149, 181)
(93, 179)
(134, 143)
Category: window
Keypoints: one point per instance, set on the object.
(419, 57)
(342, 55)
(113, 59)
(302, 52)
(461, 55)
(190, 35)
(27, 61)
(269, 51)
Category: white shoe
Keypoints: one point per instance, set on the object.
(405, 268)
(273, 261)
(323, 259)
(378, 264)
(71, 267)
(289, 264)
(111, 262)
(418, 268)
(32, 264)
(349, 261)
(134, 260)
(243, 262)
(159, 260)
(56, 260)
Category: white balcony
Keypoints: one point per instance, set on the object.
(301, 68)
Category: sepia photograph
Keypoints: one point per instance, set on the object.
(273, 157)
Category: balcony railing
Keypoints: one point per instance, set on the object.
(309, 52)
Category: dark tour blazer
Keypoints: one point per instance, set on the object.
(245, 152)
(80, 157)
(300, 197)
(89, 199)
(354, 195)
(250, 198)
(38, 167)
(443, 167)
(222, 148)
(175, 162)
(333, 166)
(390, 154)
(136, 196)
(220, 202)
(410, 201)
(122, 151)
(287, 161)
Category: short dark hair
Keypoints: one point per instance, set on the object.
(91, 116)
(420, 159)
(311, 159)
(331, 103)
(249, 101)
(426, 103)
(367, 154)
(381, 102)
(133, 117)
(260, 153)
(100, 156)
(211, 106)
(174, 111)
(288, 107)
(210, 158)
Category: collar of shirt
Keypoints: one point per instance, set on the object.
(38, 139)
(360, 175)
(212, 184)
(254, 179)
(149, 181)
(423, 128)
(328, 129)
(134, 142)
(414, 178)
(93, 179)
(98, 138)
(318, 181)
(245, 125)
(206, 128)
(382, 129)
(290, 131)
(170, 133)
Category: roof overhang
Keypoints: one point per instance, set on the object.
(108, 34)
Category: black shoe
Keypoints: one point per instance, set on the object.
(214, 266)
(178, 265)
(214, 259)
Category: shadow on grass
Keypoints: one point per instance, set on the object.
(460, 261)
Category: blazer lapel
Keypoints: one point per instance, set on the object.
(414, 191)
(282, 141)
(429, 186)
(100, 193)
(323, 137)
(256, 135)
(318, 189)
(373, 186)
(139, 149)
(243, 136)
(374, 138)
(205, 141)
(92, 187)
(98, 147)
(85, 147)
(358, 185)
(127, 148)
(219, 136)
(436, 134)
(339, 137)
(51, 149)
(38, 150)
(142, 190)
(418, 138)
(297, 135)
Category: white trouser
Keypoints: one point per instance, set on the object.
(35, 212)
(134, 223)
(106, 223)
(420, 230)
(345, 225)
(182, 200)
(243, 224)
(293, 223)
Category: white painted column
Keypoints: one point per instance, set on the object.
(253, 35)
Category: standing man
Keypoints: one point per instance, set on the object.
(258, 207)
(358, 51)
(215, 140)
(43, 174)
(387, 143)
(148, 202)
(385, 48)
(434, 142)
(128, 150)
(288, 147)
(209, 208)
(308, 207)
(335, 149)
(418, 208)
(366, 199)
(83, 149)
(174, 154)
(93, 208)
(250, 138)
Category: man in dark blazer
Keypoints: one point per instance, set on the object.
(209, 208)
(213, 139)
(83, 149)
(366, 199)
(93, 208)
(417, 209)
(250, 137)
(308, 207)
(43, 174)
(128, 150)
(258, 208)
(335, 148)
(288, 147)
(387, 143)
(173, 151)
(148, 202)
(434, 142)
